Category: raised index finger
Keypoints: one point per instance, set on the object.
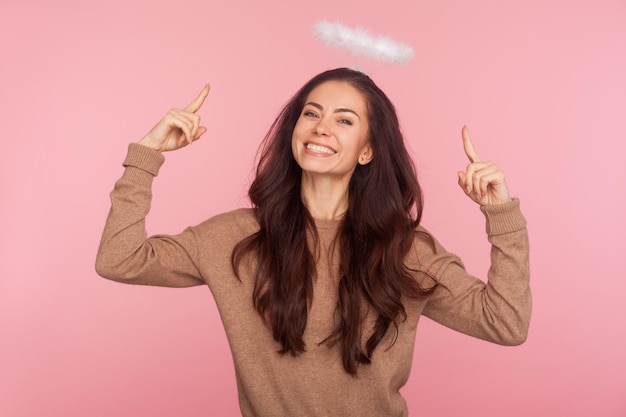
(195, 105)
(468, 146)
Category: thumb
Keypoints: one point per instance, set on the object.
(201, 131)
(461, 176)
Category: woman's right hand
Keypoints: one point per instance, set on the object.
(178, 128)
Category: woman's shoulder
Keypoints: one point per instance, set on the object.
(425, 243)
(428, 255)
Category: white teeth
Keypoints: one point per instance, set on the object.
(319, 149)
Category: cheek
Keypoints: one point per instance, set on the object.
(298, 135)
(363, 142)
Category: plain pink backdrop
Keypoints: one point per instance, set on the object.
(541, 84)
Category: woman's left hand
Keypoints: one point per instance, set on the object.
(483, 182)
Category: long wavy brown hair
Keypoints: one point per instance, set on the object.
(375, 235)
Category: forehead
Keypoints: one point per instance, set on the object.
(332, 94)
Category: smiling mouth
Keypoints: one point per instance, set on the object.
(320, 149)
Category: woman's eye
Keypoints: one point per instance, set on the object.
(309, 114)
(346, 122)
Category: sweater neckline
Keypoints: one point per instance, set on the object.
(327, 224)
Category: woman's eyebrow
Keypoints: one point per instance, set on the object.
(337, 110)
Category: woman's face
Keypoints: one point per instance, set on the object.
(331, 134)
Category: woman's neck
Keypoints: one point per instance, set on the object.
(325, 197)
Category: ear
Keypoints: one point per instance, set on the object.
(366, 155)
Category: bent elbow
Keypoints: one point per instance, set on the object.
(515, 334)
(512, 328)
(517, 338)
(104, 268)
(108, 269)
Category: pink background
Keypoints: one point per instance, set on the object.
(541, 84)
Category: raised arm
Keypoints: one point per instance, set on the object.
(497, 310)
(126, 254)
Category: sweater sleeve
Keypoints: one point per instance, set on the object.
(126, 254)
(498, 310)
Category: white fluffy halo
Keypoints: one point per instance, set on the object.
(360, 42)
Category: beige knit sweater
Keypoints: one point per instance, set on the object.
(314, 383)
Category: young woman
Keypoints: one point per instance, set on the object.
(321, 283)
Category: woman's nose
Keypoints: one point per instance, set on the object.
(322, 128)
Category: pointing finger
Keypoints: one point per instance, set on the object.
(195, 105)
(468, 146)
